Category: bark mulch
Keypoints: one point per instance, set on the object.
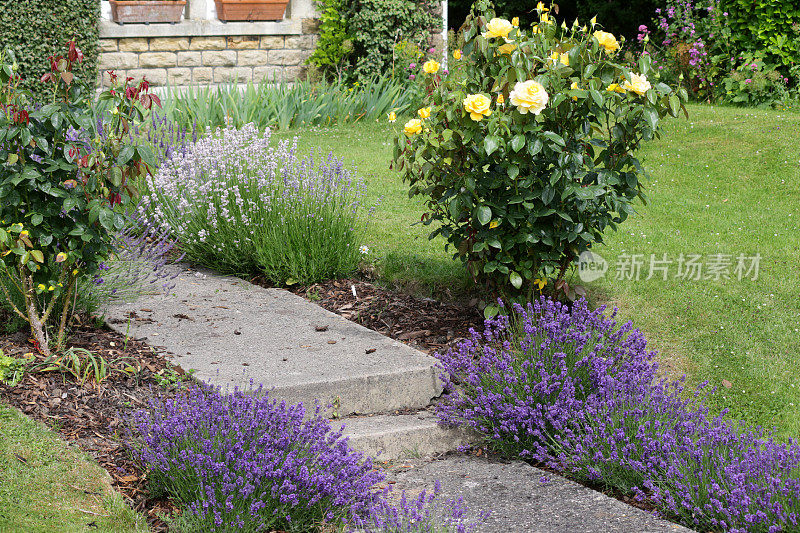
(91, 415)
(426, 324)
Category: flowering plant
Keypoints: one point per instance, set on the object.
(527, 156)
(575, 390)
(58, 186)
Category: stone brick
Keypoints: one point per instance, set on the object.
(202, 75)
(156, 76)
(233, 74)
(179, 76)
(189, 59)
(293, 73)
(304, 42)
(118, 60)
(139, 44)
(243, 42)
(158, 59)
(286, 57)
(272, 42)
(268, 73)
(310, 25)
(169, 44)
(221, 58)
(252, 58)
(108, 45)
(207, 43)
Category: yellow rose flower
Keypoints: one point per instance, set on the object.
(430, 67)
(607, 41)
(529, 96)
(425, 112)
(413, 127)
(392, 116)
(500, 99)
(515, 22)
(457, 54)
(497, 28)
(574, 86)
(477, 105)
(615, 88)
(507, 48)
(564, 58)
(638, 84)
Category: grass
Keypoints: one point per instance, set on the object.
(46, 485)
(725, 181)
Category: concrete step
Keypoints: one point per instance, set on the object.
(234, 333)
(398, 437)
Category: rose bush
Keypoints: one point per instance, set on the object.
(59, 186)
(527, 157)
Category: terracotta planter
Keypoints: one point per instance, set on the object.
(250, 9)
(146, 11)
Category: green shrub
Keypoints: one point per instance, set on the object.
(525, 152)
(377, 25)
(334, 43)
(36, 30)
(754, 83)
(771, 26)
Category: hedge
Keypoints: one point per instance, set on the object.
(37, 29)
(769, 25)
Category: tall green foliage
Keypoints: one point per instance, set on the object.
(769, 25)
(38, 29)
(334, 43)
(376, 25)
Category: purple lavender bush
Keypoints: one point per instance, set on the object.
(239, 205)
(577, 392)
(242, 461)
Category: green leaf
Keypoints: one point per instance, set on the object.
(484, 214)
(38, 256)
(37, 219)
(491, 143)
(494, 243)
(547, 195)
(515, 279)
(535, 147)
(518, 142)
(596, 96)
(491, 311)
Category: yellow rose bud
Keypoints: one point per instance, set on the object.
(425, 112)
(574, 86)
(540, 7)
(392, 116)
(593, 21)
(500, 99)
(457, 54)
(638, 84)
(535, 29)
(515, 22)
(41, 287)
(507, 48)
(545, 18)
(615, 88)
(431, 67)
(564, 58)
(497, 28)
(607, 41)
(477, 105)
(413, 127)
(529, 96)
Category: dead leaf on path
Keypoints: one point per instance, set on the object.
(370, 350)
(727, 384)
(320, 328)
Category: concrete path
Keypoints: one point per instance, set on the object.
(524, 499)
(234, 333)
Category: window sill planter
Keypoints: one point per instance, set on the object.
(146, 11)
(250, 10)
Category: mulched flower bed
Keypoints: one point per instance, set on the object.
(91, 415)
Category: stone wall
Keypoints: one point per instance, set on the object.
(208, 60)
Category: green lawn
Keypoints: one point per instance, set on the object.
(727, 181)
(46, 485)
